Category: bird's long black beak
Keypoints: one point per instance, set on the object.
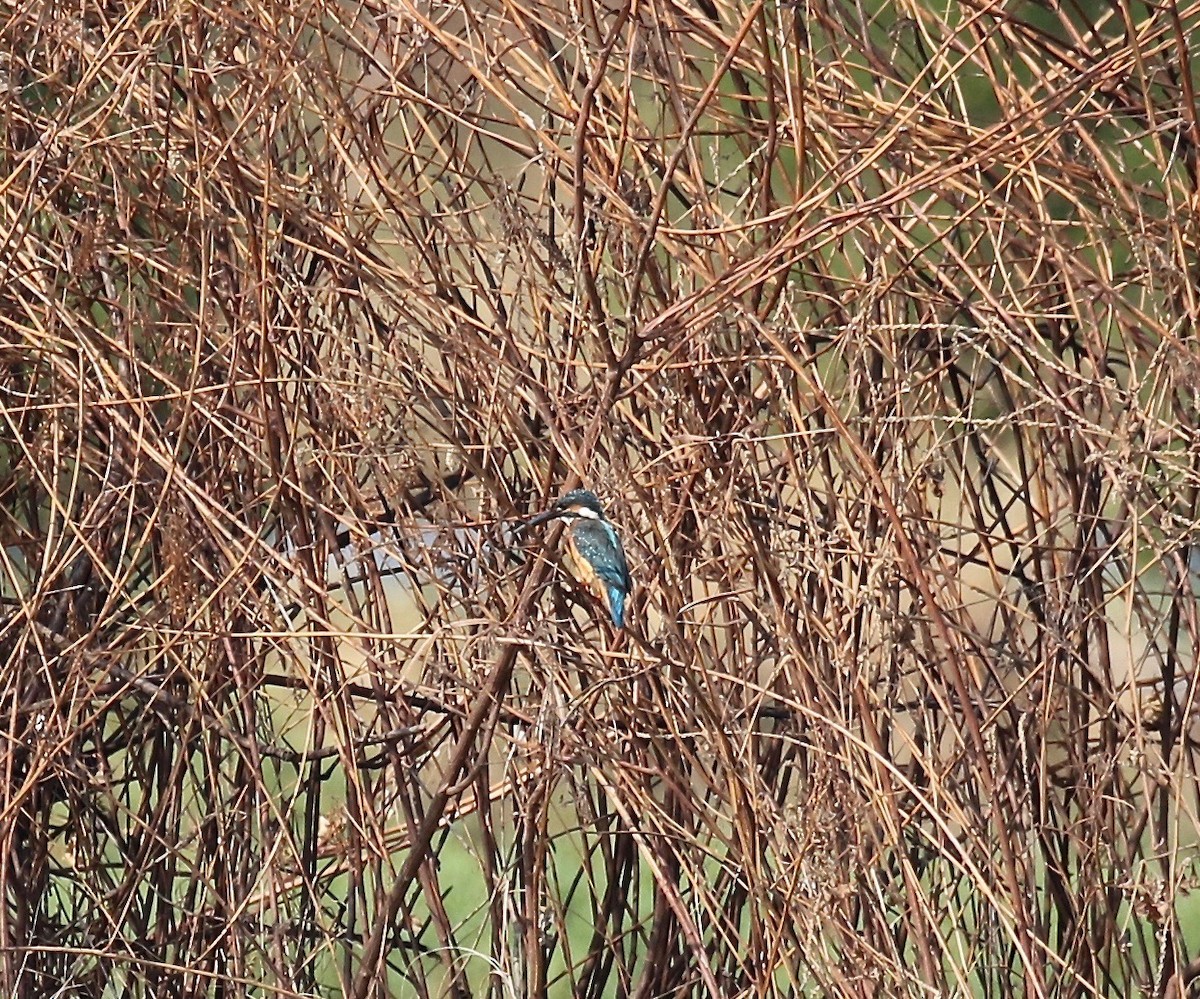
(541, 518)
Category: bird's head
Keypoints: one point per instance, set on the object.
(577, 503)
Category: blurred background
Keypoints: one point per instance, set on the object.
(873, 326)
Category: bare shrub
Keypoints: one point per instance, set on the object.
(873, 326)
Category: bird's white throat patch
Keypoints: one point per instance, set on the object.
(583, 511)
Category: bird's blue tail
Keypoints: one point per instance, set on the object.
(616, 605)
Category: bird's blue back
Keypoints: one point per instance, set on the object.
(598, 544)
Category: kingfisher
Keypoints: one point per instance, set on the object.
(595, 549)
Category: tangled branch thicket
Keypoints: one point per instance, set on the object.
(872, 323)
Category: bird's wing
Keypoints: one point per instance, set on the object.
(599, 544)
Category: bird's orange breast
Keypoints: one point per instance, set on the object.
(584, 569)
